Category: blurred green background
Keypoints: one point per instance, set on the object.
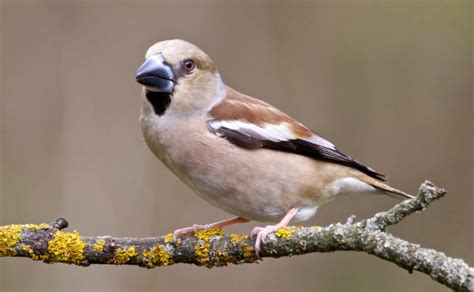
(389, 82)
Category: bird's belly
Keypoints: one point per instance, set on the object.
(258, 185)
(249, 200)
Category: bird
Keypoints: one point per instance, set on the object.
(239, 153)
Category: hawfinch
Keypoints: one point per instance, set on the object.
(238, 153)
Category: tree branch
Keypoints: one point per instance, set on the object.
(211, 248)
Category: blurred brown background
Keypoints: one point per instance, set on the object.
(387, 81)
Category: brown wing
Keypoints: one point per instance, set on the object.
(250, 123)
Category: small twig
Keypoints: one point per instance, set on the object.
(211, 248)
(426, 195)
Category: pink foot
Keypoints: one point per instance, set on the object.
(195, 227)
(189, 230)
(262, 233)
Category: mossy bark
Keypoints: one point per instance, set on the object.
(211, 248)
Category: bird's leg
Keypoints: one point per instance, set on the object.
(220, 224)
(262, 232)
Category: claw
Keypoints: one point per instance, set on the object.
(196, 227)
(189, 230)
(178, 232)
(255, 231)
(262, 233)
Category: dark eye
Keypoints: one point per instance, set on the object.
(189, 65)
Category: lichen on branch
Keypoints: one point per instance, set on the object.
(212, 248)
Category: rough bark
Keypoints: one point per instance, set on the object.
(211, 248)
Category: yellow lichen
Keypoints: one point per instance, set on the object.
(168, 237)
(27, 248)
(9, 237)
(201, 251)
(37, 227)
(248, 252)
(205, 234)
(66, 248)
(283, 232)
(99, 245)
(157, 256)
(236, 238)
(122, 256)
(223, 257)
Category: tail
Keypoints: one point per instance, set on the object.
(386, 188)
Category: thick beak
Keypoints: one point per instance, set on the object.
(155, 75)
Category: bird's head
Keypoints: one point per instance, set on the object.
(180, 78)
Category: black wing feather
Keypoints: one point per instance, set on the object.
(297, 146)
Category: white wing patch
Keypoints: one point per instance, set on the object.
(321, 141)
(270, 132)
(274, 133)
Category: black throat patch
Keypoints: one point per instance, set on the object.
(159, 100)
